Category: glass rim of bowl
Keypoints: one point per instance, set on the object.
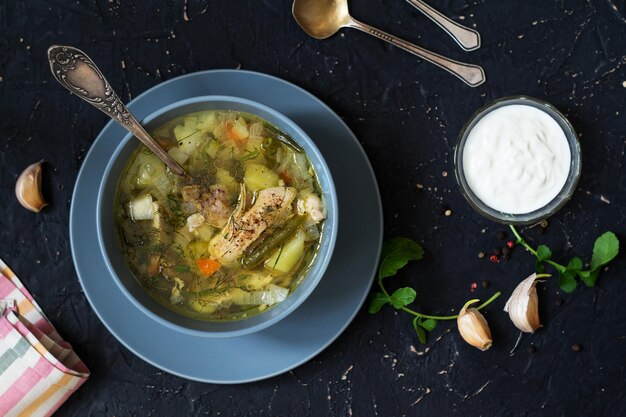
(558, 201)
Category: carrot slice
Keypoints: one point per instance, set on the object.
(153, 268)
(207, 266)
(285, 177)
(238, 141)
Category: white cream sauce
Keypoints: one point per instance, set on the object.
(516, 159)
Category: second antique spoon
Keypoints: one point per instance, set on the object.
(323, 18)
(467, 38)
(78, 73)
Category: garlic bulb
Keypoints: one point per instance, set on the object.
(523, 306)
(473, 327)
(28, 188)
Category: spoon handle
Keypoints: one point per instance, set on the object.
(78, 73)
(467, 38)
(472, 75)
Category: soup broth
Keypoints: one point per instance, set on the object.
(234, 236)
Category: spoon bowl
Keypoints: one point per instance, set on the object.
(323, 18)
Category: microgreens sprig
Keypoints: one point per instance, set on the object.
(396, 253)
(605, 248)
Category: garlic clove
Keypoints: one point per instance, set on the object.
(28, 188)
(523, 305)
(473, 327)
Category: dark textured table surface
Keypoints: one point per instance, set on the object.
(407, 115)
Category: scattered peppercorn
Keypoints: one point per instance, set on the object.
(510, 244)
(447, 213)
(577, 347)
(486, 284)
(494, 259)
(497, 252)
(506, 257)
(501, 235)
(481, 255)
(506, 251)
(558, 301)
(532, 349)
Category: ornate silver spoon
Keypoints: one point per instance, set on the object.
(78, 73)
(467, 38)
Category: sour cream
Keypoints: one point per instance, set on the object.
(516, 159)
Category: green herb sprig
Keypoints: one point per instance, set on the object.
(249, 155)
(396, 254)
(605, 249)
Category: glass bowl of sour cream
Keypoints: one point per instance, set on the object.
(517, 160)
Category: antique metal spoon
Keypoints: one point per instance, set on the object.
(78, 73)
(323, 18)
(467, 38)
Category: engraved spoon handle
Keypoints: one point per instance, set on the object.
(472, 75)
(74, 70)
(467, 38)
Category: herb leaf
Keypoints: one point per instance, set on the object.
(428, 324)
(589, 277)
(396, 253)
(377, 302)
(421, 334)
(402, 297)
(567, 281)
(575, 264)
(543, 253)
(604, 250)
(567, 278)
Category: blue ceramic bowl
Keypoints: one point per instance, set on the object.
(112, 251)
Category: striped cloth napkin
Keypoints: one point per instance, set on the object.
(38, 369)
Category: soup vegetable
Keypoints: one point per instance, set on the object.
(234, 236)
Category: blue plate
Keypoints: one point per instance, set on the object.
(306, 331)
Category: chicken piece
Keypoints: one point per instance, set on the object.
(191, 194)
(175, 295)
(216, 205)
(272, 207)
(194, 221)
(212, 203)
(313, 205)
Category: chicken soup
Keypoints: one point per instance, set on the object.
(234, 236)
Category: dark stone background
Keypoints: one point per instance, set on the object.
(407, 114)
